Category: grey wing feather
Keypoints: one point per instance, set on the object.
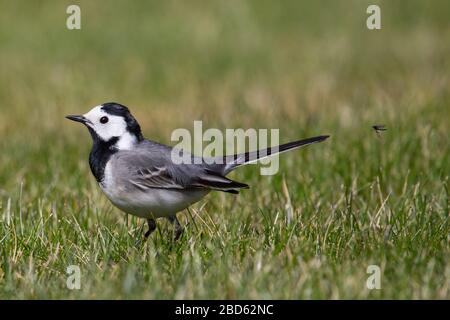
(215, 181)
(150, 166)
(153, 177)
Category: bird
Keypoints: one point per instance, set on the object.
(139, 177)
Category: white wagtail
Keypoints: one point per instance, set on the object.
(139, 177)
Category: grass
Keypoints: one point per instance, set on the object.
(307, 68)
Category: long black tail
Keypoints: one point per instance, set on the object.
(237, 160)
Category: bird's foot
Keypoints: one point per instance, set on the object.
(151, 227)
(178, 231)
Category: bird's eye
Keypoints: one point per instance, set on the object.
(103, 120)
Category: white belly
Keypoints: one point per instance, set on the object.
(151, 203)
(155, 202)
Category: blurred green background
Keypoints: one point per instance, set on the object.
(305, 67)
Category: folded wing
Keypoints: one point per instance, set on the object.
(149, 168)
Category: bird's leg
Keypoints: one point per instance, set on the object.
(178, 228)
(151, 227)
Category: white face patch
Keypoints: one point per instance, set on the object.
(114, 127)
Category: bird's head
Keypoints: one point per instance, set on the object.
(111, 123)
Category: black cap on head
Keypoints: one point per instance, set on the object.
(116, 109)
